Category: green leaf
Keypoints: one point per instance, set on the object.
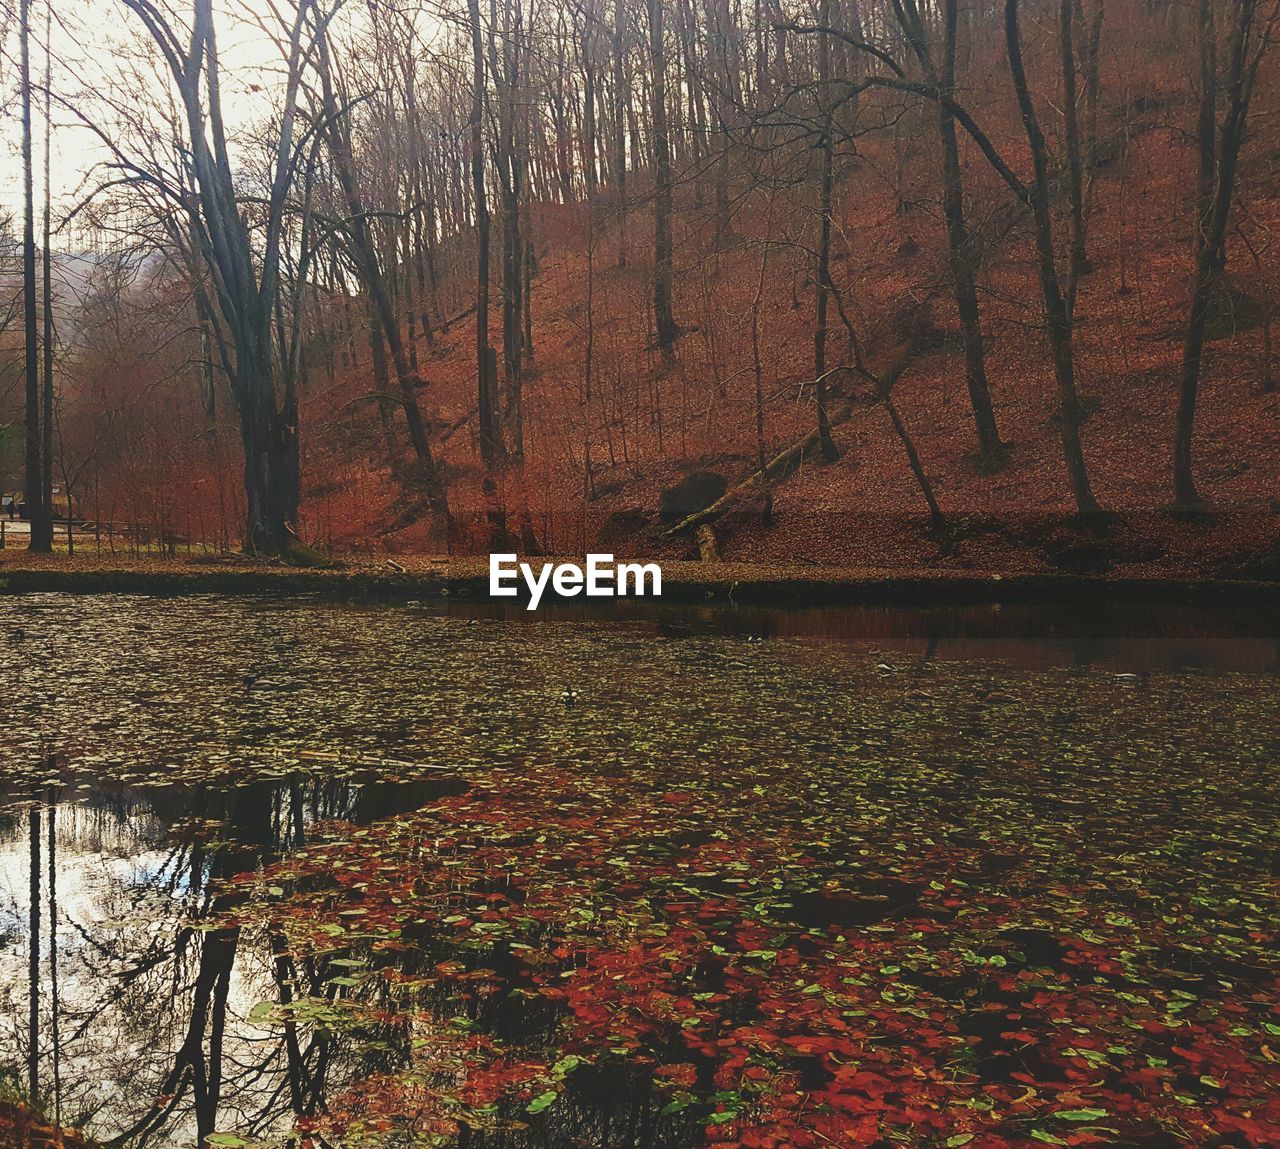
(566, 1064)
(958, 1139)
(1080, 1114)
(1047, 1138)
(542, 1101)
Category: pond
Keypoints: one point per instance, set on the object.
(318, 874)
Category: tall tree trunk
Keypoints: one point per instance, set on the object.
(33, 483)
(382, 386)
(590, 147)
(269, 436)
(1057, 312)
(620, 122)
(726, 95)
(1219, 157)
(46, 415)
(245, 270)
(1206, 122)
(1090, 48)
(487, 390)
(961, 251)
(822, 278)
(1079, 260)
(505, 67)
(366, 259)
(757, 370)
(663, 318)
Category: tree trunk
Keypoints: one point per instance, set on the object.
(757, 367)
(937, 520)
(663, 318)
(382, 385)
(490, 425)
(961, 252)
(726, 94)
(1079, 260)
(506, 72)
(822, 278)
(708, 548)
(1217, 192)
(33, 483)
(620, 122)
(1057, 313)
(377, 284)
(46, 414)
(270, 440)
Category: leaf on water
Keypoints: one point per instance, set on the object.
(1080, 1114)
(542, 1101)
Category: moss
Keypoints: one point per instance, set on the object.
(300, 555)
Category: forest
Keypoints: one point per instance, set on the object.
(874, 283)
(920, 352)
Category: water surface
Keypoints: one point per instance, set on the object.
(160, 746)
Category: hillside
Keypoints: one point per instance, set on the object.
(646, 425)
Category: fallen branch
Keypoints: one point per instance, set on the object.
(758, 482)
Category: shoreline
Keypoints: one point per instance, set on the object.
(684, 582)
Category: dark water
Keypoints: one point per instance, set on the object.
(158, 745)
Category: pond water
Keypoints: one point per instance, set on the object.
(533, 819)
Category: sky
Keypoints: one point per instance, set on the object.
(95, 44)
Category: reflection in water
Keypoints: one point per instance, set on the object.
(155, 1021)
(1124, 636)
(143, 1029)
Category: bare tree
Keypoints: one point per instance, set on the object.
(244, 272)
(822, 272)
(486, 367)
(663, 318)
(1249, 34)
(1058, 314)
(39, 514)
(355, 227)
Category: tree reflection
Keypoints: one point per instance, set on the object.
(142, 992)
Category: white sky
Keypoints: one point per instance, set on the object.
(96, 44)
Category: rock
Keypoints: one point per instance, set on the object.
(692, 494)
(624, 526)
